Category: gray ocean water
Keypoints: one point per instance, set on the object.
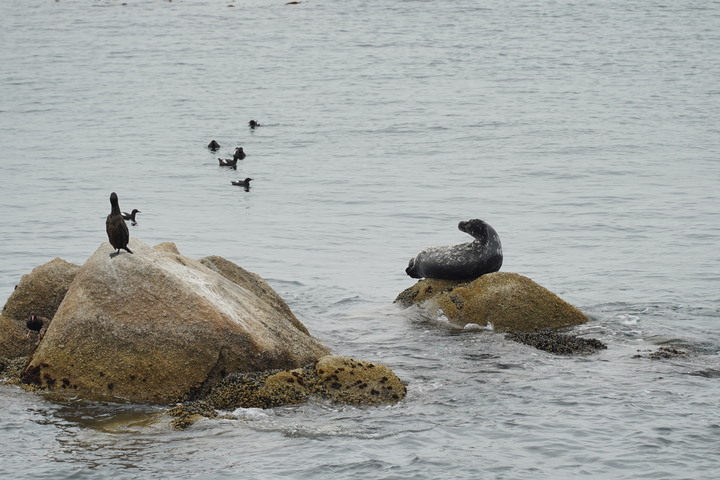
(586, 133)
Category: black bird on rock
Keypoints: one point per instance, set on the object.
(34, 324)
(117, 232)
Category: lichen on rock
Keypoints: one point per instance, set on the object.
(40, 291)
(351, 381)
(557, 343)
(507, 301)
(333, 378)
(157, 326)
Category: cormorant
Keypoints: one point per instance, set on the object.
(117, 231)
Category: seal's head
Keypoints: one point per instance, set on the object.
(410, 270)
(475, 227)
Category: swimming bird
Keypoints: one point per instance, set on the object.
(227, 162)
(253, 124)
(242, 183)
(33, 323)
(117, 232)
(131, 216)
(213, 145)
(239, 154)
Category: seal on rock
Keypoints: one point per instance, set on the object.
(466, 261)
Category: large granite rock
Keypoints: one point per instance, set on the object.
(157, 326)
(40, 291)
(508, 301)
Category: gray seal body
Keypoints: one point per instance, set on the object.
(466, 261)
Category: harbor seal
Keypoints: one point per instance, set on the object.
(466, 261)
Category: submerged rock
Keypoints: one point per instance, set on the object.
(558, 343)
(662, 353)
(158, 327)
(507, 301)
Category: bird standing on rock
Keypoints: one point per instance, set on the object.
(117, 232)
(34, 324)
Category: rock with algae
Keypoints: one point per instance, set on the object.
(508, 301)
(557, 343)
(40, 291)
(156, 326)
(334, 378)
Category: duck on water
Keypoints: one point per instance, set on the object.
(131, 216)
(117, 231)
(227, 162)
(238, 155)
(242, 183)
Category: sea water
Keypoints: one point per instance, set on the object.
(585, 133)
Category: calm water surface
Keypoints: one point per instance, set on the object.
(586, 134)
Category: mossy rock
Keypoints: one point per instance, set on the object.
(40, 291)
(351, 381)
(337, 379)
(508, 301)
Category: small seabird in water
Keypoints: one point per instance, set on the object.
(252, 124)
(131, 216)
(213, 145)
(242, 183)
(227, 162)
(239, 154)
